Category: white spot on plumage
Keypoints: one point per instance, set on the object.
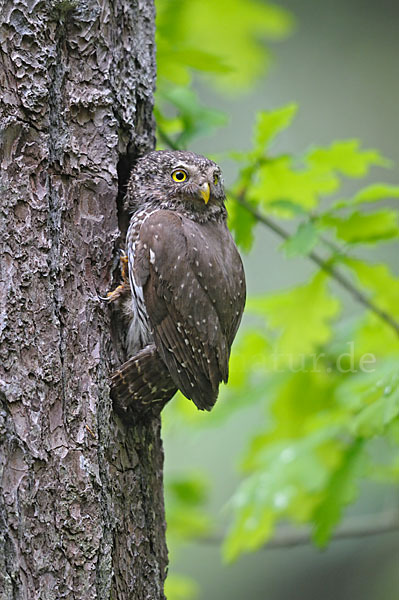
(152, 257)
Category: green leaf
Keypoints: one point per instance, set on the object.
(347, 157)
(359, 228)
(193, 120)
(371, 396)
(278, 180)
(375, 335)
(371, 334)
(376, 192)
(180, 587)
(189, 36)
(202, 61)
(374, 419)
(185, 497)
(340, 491)
(287, 485)
(302, 315)
(372, 193)
(241, 222)
(378, 278)
(250, 356)
(315, 417)
(191, 490)
(286, 206)
(302, 242)
(249, 533)
(270, 123)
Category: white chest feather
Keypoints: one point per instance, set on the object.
(139, 334)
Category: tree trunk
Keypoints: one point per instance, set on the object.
(81, 498)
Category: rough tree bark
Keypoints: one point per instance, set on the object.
(81, 498)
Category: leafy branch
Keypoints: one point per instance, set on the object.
(332, 271)
(323, 446)
(325, 265)
(287, 537)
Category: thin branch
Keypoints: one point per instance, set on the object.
(167, 139)
(326, 266)
(287, 537)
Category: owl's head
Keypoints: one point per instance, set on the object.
(178, 180)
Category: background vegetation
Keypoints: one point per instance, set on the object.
(314, 373)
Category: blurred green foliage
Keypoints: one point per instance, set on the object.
(327, 387)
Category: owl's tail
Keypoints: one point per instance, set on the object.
(141, 383)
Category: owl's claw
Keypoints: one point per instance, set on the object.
(124, 266)
(117, 292)
(124, 286)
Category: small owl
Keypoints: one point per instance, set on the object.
(185, 282)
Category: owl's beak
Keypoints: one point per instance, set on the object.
(205, 191)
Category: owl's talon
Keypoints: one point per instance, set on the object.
(124, 267)
(124, 286)
(116, 293)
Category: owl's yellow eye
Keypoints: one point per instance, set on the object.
(216, 179)
(179, 175)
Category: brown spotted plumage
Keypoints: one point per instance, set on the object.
(186, 290)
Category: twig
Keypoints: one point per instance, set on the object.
(326, 266)
(167, 139)
(287, 537)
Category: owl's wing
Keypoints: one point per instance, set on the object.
(194, 292)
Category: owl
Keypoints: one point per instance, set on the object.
(184, 285)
